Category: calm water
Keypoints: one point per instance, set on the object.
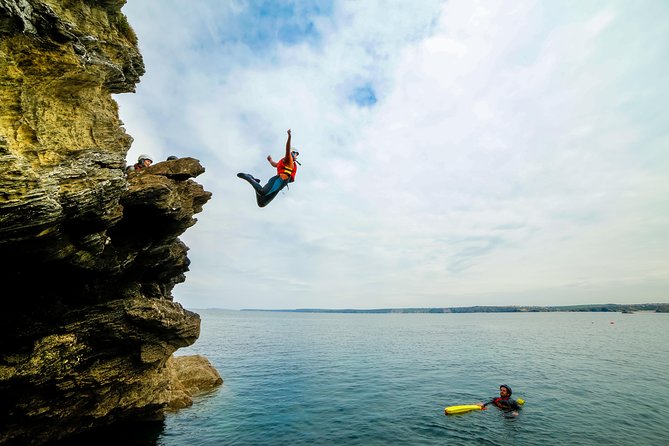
(375, 379)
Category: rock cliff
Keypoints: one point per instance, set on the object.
(89, 254)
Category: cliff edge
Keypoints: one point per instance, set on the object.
(89, 255)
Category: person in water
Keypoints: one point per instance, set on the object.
(286, 169)
(504, 401)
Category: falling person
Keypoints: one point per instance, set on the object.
(286, 169)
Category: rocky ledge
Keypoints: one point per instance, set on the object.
(89, 254)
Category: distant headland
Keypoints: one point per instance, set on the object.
(600, 308)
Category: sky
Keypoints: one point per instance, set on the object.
(454, 153)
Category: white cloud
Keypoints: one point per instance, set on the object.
(500, 163)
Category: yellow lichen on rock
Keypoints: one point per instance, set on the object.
(92, 251)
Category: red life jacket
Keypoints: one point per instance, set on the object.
(282, 168)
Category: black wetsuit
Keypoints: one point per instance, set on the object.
(504, 403)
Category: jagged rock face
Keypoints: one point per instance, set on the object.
(89, 254)
(62, 147)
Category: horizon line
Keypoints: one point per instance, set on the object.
(436, 308)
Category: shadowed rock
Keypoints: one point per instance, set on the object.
(89, 255)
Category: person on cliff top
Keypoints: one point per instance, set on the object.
(143, 161)
(286, 169)
(504, 401)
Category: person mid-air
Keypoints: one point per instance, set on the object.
(286, 169)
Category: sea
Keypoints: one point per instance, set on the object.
(384, 379)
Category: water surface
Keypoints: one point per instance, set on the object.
(380, 379)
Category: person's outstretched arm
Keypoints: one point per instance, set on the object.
(287, 157)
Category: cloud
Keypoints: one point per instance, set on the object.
(454, 153)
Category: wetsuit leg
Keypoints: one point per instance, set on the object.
(270, 190)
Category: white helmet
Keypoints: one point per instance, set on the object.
(144, 157)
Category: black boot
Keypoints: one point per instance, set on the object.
(252, 180)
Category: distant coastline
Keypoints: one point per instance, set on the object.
(599, 308)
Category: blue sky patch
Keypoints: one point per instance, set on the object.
(364, 96)
(263, 24)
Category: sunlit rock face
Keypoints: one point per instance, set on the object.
(89, 254)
